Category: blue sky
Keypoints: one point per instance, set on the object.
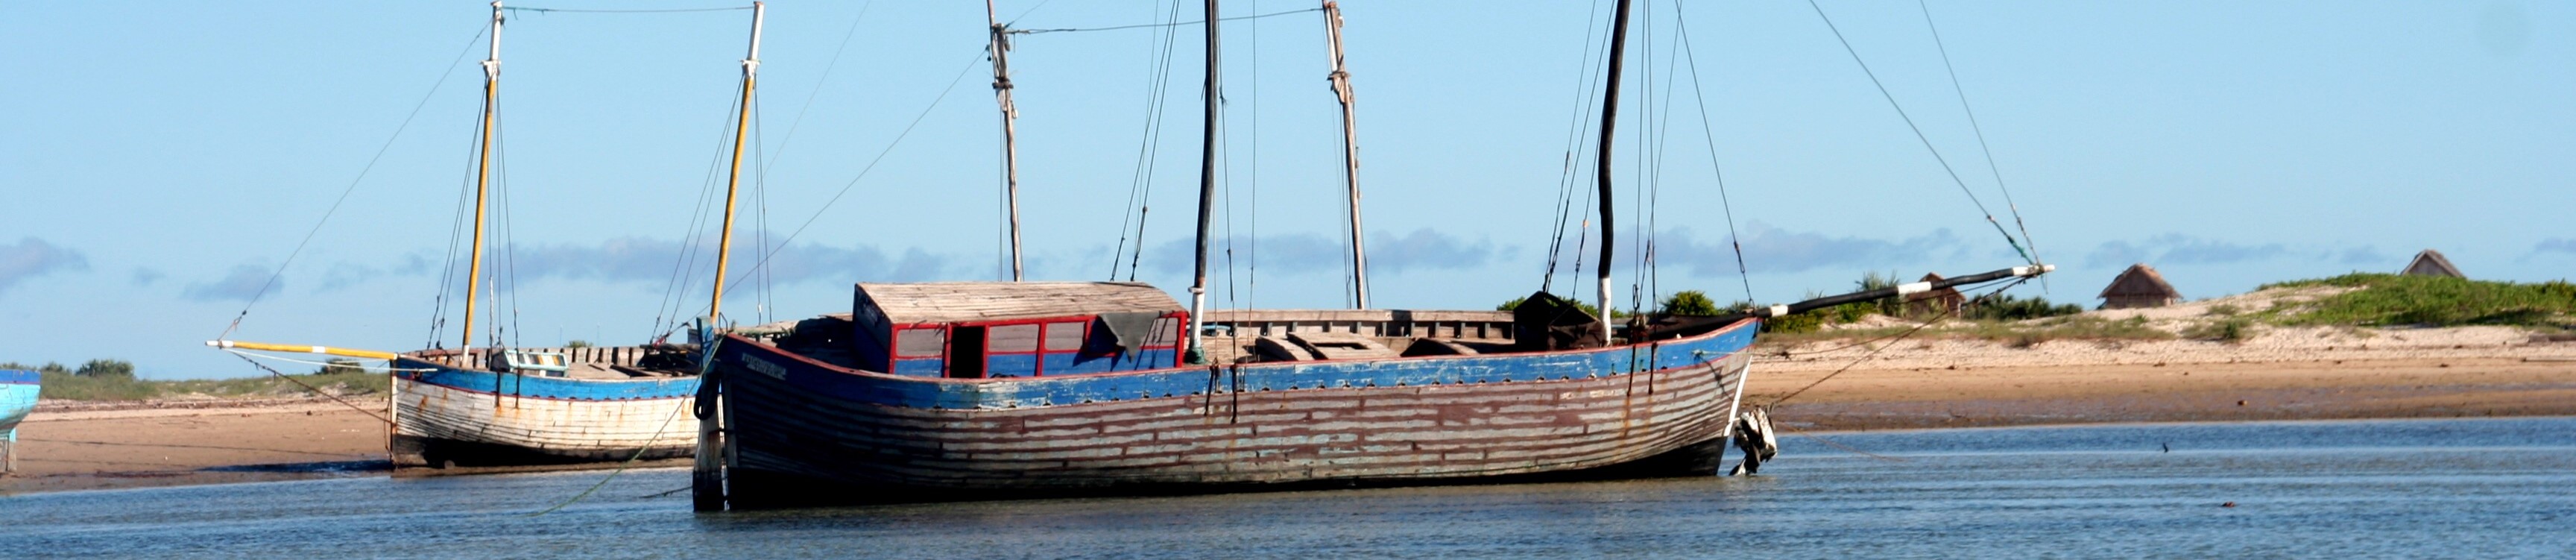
(162, 159)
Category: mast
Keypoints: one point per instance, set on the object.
(1341, 78)
(1010, 130)
(1207, 191)
(733, 183)
(1601, 162)
(483, 173)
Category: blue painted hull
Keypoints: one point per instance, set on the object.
(18, 390)
(803, 430)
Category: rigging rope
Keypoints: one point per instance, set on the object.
(1146, 25)
(799, 121)
(1578, 123)
(1980, 131)
(509, 235)
(596, 11)
(1252, 185)
(1140, 185)
(1873, 352)
(1918, 133)
(455, 240)
(1734, 238)
(351, 363)
(684, 269)
(871, 166)
(334, 398)
(479, 30)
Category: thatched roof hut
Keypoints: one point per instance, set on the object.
(2431, 263)
(2139, 286)
(1941, 301)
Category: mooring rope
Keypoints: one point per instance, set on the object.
(1945, 313)
(334, 398)
(622, 465)
(264, 286)
(314, 363)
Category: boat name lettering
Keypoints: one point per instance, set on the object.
(763, 366)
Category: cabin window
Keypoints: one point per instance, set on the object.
(921, 343)
(1065, 336)
(1166, 333)
(1014, 338)
(966, 357)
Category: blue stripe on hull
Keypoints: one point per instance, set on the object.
(540, 387)
(933, 393)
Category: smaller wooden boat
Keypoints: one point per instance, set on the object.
(18, 389)
(504, 406)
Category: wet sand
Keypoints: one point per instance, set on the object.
(1941, 397)
(1916, 386)
(101, 449)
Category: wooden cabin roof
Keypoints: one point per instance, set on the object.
(2139, 280)
(955, 302)
(2432, 263)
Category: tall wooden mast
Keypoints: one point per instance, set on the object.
(1601, 162)
(715, 452)
(1341, 79)
(1010, 130)
(1207, 191)
(733, 184)
(483, 173)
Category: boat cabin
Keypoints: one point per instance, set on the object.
(977, 330)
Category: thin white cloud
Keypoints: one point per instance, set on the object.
(32, 257)
(1306, 253)
(2176, 248)
(1771, 250)
(2556, 245)
(241, 284)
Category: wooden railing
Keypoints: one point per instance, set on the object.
(1388, 323)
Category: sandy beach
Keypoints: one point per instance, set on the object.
(2281, 374)
(78, 446)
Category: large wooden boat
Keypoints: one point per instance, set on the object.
(17, 398)
(1003, 390)
(1039, 391)
(490, 405)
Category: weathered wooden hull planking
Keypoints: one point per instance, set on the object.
(482, 418)
(1425, 420)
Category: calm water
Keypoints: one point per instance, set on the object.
(2391, 489)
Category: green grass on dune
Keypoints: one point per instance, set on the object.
(66, 386)
(2394, 300)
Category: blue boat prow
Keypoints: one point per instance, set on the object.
(18, 389)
